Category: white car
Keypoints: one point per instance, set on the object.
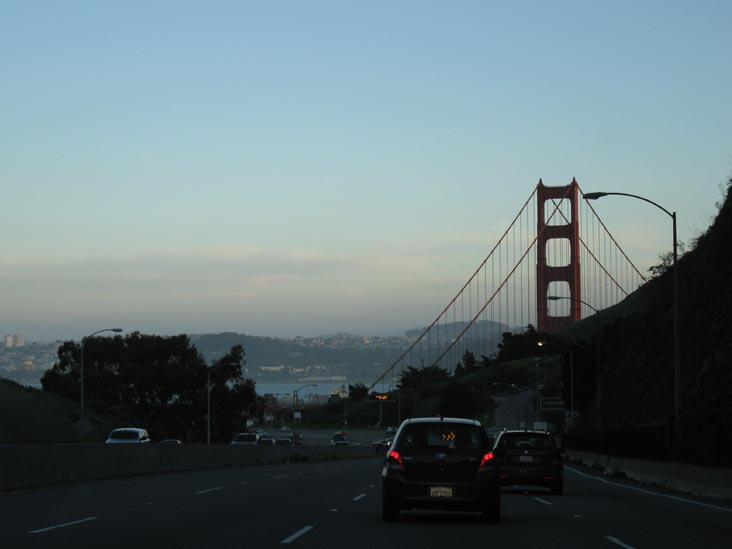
(128, 435)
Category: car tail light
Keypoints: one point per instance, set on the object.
(395, 459)
(486, 458)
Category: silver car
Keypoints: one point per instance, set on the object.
(128, 435)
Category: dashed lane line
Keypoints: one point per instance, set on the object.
(280, 476)
(297, 534)
(545, 502)
(210, 490)
(359, 497)
(616, 541)
(40, 530)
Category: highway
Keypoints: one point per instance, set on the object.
(337, 504)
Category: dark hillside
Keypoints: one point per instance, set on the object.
(637, 340)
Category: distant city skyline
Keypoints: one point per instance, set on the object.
(285, 169)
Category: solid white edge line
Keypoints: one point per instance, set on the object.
(545, 502)
(297, 534)
(61, 525)
(616, 541)
(359, 497)
(677, 498)
(210, 490)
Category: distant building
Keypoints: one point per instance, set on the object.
(15, 340)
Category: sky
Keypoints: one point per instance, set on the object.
(301, 168)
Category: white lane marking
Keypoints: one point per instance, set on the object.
(297, 534)
(61, 525)
(616, 541)
(359, 497)
(334, 510)
(677, 498)
(371, 485)
(318, 470)
(576, 516)
(210, 490)
(545, 502)
(280, 476)
(244, 482)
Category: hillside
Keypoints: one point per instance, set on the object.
(637, 339)
(33, 416)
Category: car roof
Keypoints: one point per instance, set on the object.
(438, 419)
(131, 429)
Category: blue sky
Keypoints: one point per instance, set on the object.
(299, 168)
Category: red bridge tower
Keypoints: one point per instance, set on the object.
(569, 273)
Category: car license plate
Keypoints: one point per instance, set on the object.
(526, 459)
(441, 491)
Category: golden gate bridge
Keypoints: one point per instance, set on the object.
(555, 264)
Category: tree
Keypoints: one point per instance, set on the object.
(521, 345)
(467, 366)
(358, 391)
(667, 261)
(157, 382)
(413, 378)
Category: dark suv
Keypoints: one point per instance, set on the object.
(437, 463)
(530, 458)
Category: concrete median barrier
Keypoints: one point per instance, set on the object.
(32, 465)
(694, 479)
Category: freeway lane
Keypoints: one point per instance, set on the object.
(337, 503)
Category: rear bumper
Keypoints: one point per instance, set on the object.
(473, 495)
(513, 476)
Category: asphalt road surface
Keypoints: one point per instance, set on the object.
(337, 504)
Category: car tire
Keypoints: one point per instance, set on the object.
(492, 513)
(558, 488)
(389, 510)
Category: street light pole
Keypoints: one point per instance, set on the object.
(208, 396)
(677, 338)
(597, 348)
(571, 371)
(294, 393)
(81, 373)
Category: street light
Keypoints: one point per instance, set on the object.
(677, 342)
(208, 396)
(294, 393)
(81, 367)
(597, 346)
(571, 371)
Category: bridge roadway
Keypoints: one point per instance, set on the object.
(337, 504)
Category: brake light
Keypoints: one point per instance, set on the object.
(395, 457)
(486, 458)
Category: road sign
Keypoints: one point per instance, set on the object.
(552, 403)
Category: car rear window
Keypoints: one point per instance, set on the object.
(124, 435)
(512, 441)
(442, 435)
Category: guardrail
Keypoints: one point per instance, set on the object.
(32, 465)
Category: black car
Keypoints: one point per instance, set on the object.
(530, 458)
(441, 463)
